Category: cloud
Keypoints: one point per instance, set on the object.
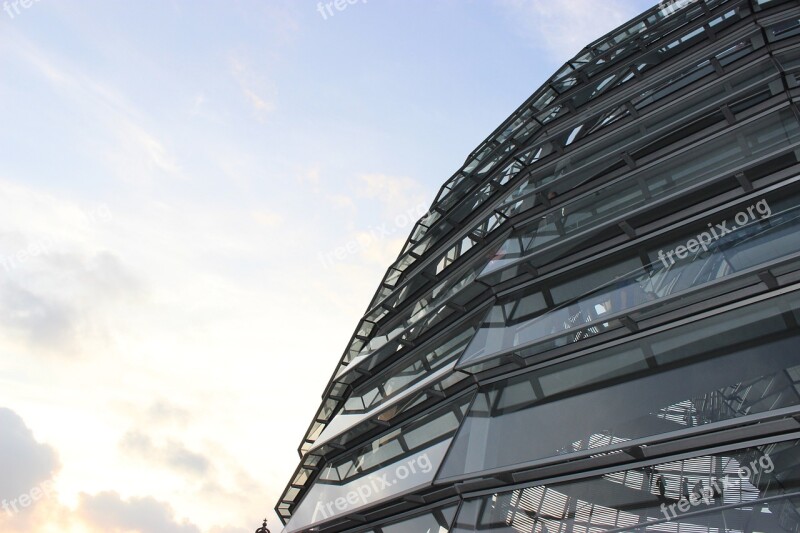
(173, 455)
(229, 529)
(110, 276)
(310, 177)
(131, 148)
(27, 492)
(397, 195)
(109, 513)
(28, 467)
(139, 154)
(257, 92)
(25, 463)
(563, 29)
(58, 301)
(164, 413)
(342, 201)
(383, 252)
(267, 219)
(100, 281)
(40, 321)
(60, 281)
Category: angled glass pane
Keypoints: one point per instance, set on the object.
(395, 463)
(585, 214)
(346, 428)
(748, 490)
(731, 366)
(400, 377)
(438, 521)
(426, 310)
(580, 165)
(760, 233)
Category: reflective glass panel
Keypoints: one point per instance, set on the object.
(438, 521)
(749, 490)
(678, 173)
(734, 365)
(395, 463)
(759, 233)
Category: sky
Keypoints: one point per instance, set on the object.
(176, 178)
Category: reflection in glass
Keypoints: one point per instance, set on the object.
(764, 480)
(429, 430)
(396, 380)
(396, 462)
(730, 366)
(438, 521)
(576, 167)
(698, 164)
(591, 301)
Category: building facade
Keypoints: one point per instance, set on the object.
(596, 327)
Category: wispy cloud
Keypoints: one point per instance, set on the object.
(109, 512)
(342, 201)
(396, 194)
(132, 149)
(59, 281)
(257, 91)
(172, 454)
(139, 153)
(310, 177)
(267, 219)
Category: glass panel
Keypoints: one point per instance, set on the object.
(758, 488)
(700, 163)
(436, 522)
(733, 365)
(651, 59)
(447, 198)
(427, 312)
(784, 29)
(394, 463)
(582, 164)
(394, 381)
(385, 298)
(766, 233)
(345, 428)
